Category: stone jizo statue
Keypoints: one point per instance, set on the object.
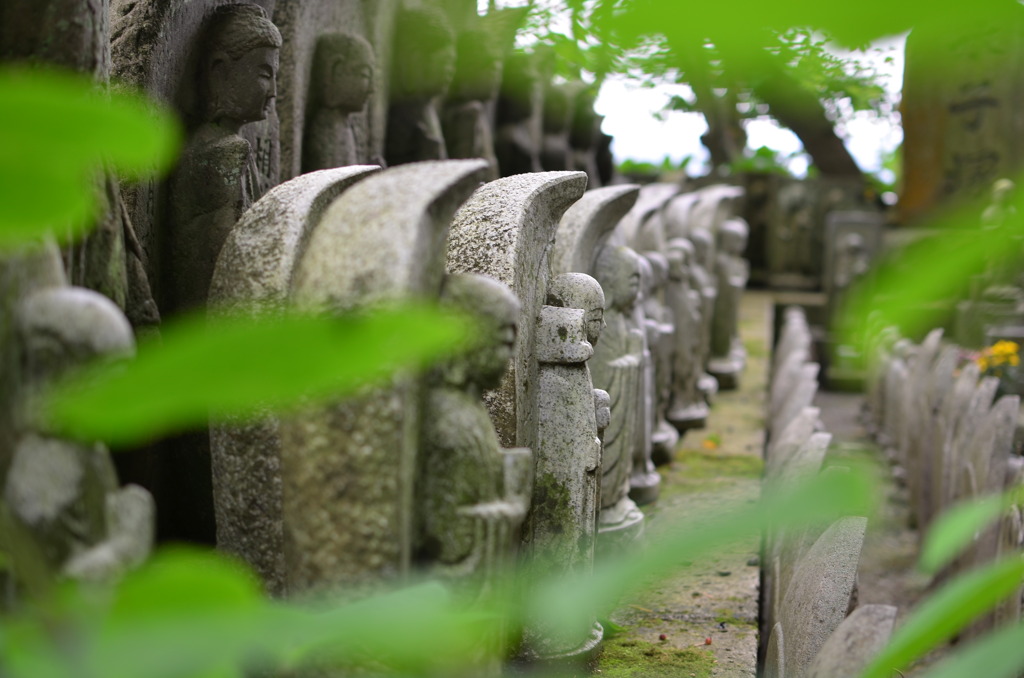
(561, 528)
(468, 110)
(688, 407)
(705, 283)
(217, 178)
(422, 68)
(340, 85)
(617, 368)
(517, 136)
(64, 512)
(473, 495)
(728, 356)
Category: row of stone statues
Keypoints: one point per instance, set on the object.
(267, 91)
(603, 311)
(538, 442)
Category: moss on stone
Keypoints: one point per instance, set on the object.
(628, 657)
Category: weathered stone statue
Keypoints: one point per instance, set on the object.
(217, 178)
(422, 67)
(470, 510)
(561, 528)
(517, 136)
(644, 482)
(348, 468)
(660, 328)
(341, 83)
(688, 408)
(728, 356)
(64, 513)
(702, 280)
(617, 367)
(254, 274)
(75, 34)
(467, 119)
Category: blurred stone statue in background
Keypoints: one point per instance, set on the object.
(422, 68)
(64, 513)
(341, 83)
(467, 119)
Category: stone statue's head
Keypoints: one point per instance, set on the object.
(496, 308)
(618, 271)
(680, 255)
(579, 290)
(423, 58)
(342, 76)
(702, 245)
(659, 269)
(238, 74)
(733, 236)
(477, 66)
(62, 328)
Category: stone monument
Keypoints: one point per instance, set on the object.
(254, 274)
(348, 468)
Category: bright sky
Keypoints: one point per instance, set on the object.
(629, 117)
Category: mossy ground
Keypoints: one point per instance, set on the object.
(714, 597)
(628, 657)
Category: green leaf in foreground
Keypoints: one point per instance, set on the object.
(946, 612)
(997, 655)
(929, 274)
(57, 130)
(955, 529)
(235, 366)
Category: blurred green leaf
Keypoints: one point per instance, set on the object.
(939, 617)
(955, 529)
(58, 130)
(997, 655)
(932, 273)
(235, 366)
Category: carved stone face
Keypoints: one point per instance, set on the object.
(595, 323)
(242, 90)
(351, 86)
(618, 271)
(578, 290)
(497, 311)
